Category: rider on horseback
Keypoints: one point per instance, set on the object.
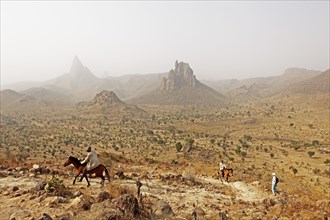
(222, 167)
(91, 160)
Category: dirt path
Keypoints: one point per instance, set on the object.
(243, 191)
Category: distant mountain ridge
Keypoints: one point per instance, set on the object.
(179, 86)
(252, 88)
(317, 84)
(12, 101)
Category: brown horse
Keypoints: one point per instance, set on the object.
(226, 173)
(80, 168)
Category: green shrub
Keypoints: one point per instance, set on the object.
(178, 146)
(327, 161)
(243, 154)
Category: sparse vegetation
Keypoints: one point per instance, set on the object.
(147, 148)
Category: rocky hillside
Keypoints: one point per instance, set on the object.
(317, 84)
(107, 102)
(252, 88)
(12, 102)
(180, 87)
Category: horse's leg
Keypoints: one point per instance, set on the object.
(84, 173)
(220, 175)
(102, 181)
(88, 184)
(75, 177)
(82, 177)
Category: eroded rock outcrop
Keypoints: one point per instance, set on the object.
(182, 76)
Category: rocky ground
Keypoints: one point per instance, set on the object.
(37, 193)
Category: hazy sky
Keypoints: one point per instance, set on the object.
(219, 40)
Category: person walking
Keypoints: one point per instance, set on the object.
(274, 183)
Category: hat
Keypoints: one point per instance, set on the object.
(273, 174)
(89, 149)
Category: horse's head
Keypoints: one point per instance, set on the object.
(231, 171)
(69, 161)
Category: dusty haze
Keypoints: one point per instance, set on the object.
(218, 39)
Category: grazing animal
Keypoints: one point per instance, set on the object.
(98, 171)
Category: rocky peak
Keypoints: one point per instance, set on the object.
(181, 77)
(106, 97)
(80, 75)
(76, 66)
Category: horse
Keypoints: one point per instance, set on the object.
(98, 171)
(226, 173)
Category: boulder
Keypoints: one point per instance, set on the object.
(102, 196)
(128, 204)
(161, 207)
(80, 202)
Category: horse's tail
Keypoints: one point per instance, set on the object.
(106, 172)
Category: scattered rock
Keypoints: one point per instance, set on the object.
(322, 203)
(56, 200)
(20, 169)
(35, 166)
(120, 174)
(128, 204)
(2, 175)
(15, 188)
(276, 210)
(81, 203)
(45, 216)
(20, 214)
(200, 212)
(102, 196)
(3, 167)
(162, 208)
(77, 200)
(39, 187)
(77, 194)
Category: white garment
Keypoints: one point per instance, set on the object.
(92, 160)
(222, 166)
(274, 180)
